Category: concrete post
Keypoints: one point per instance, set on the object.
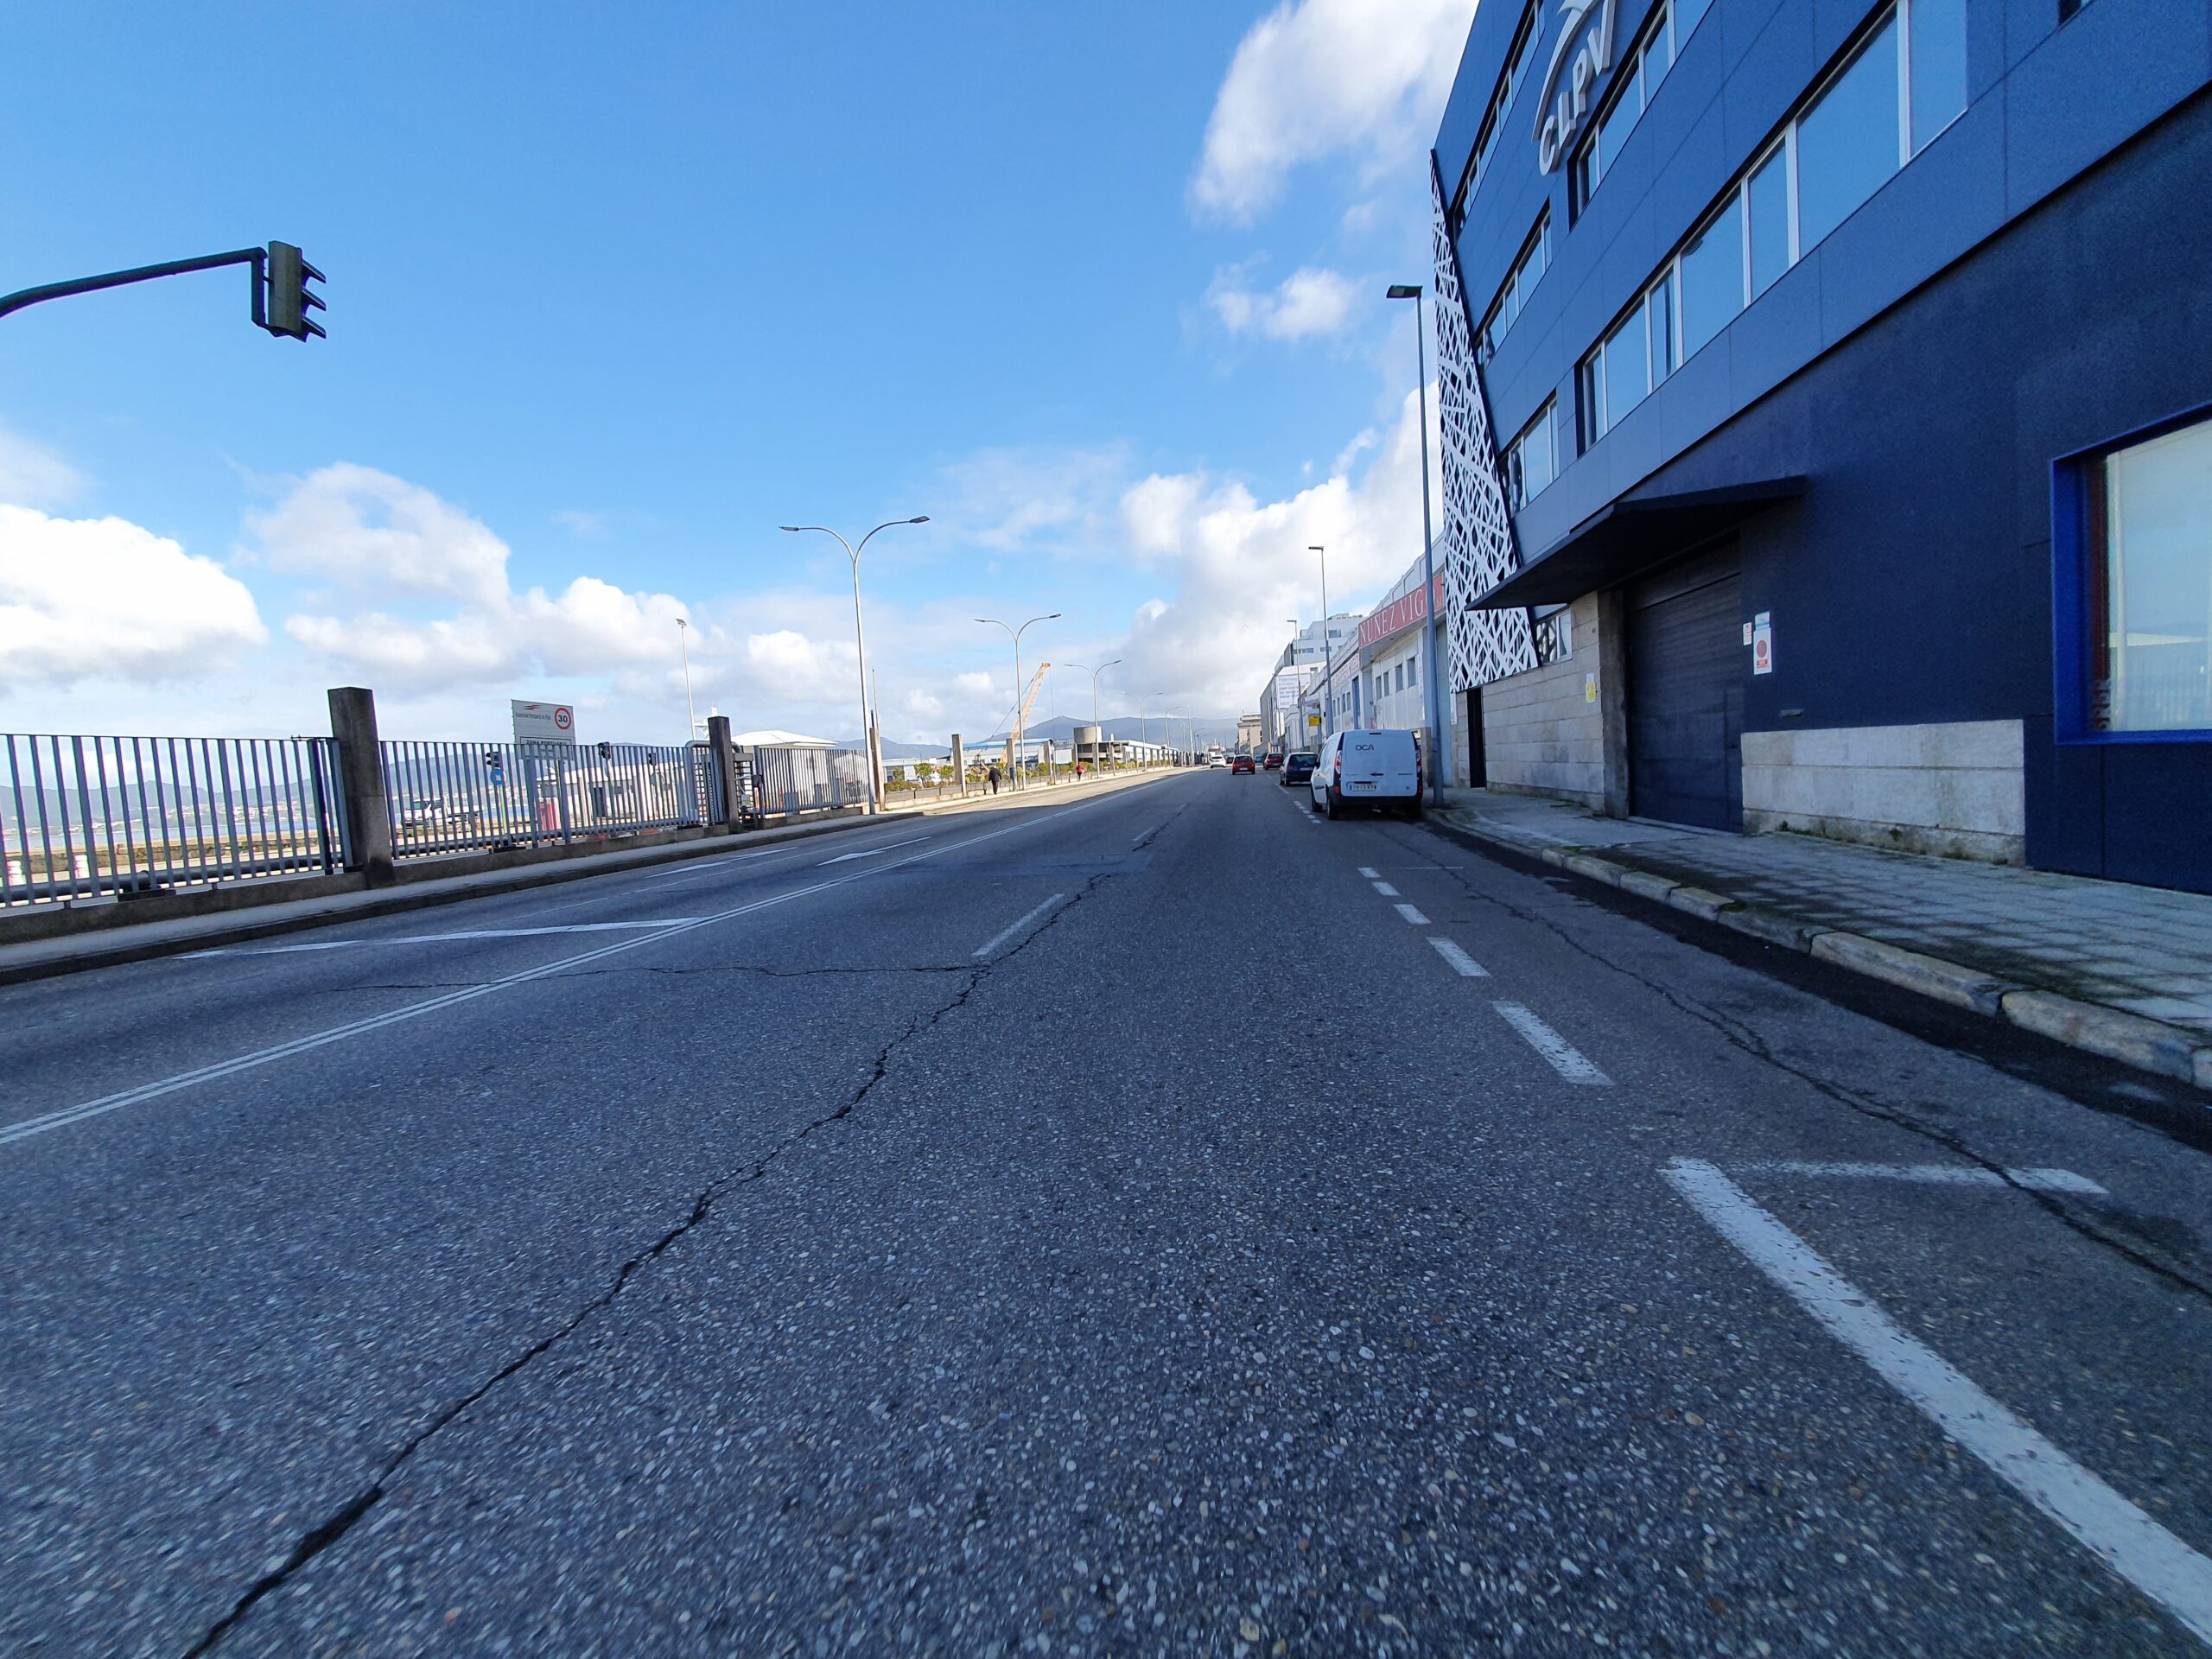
(360, 783)
(1612, 699)
(729, 811)
(876, 759)
(960, 763)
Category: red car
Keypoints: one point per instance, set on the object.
(1243, 763)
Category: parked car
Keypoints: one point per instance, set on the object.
(1379, 770)
(1297, 768)
(1215, 761)
(1272, 760)
(1243, 763)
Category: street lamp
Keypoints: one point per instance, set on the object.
(860, 643)
(1328, 656)
(1017, 633)
(1412, 291)
(683, 644)
(1097, 732)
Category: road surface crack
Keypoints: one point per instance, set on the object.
(333, 1528)
(1747, 1041)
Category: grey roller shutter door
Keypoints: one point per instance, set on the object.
(1686, 695)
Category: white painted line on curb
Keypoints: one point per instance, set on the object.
(1411, 915)
(1369, 871)
(2040, 1180)
(1468, 967)
(2126, 1540)
(1386, 889)
(1565, 1057)
(847, 858)
(65, 1115)
(1000, 938)
(440, 939)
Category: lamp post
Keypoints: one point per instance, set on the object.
(859, 643)
(683, 644)
(1328, 657)
(1098, 732)
(1429, 704)
(1017, 633)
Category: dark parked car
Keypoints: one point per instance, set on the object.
(1297, 768)
(1242, 763)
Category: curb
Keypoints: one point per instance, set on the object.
(431, 894)
(2147, 1045)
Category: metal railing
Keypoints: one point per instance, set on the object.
(85, 817)
(455, 798)
(807, 780)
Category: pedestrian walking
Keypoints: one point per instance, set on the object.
(994, 777)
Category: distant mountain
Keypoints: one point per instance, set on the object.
(1204, 729)
(894, 750)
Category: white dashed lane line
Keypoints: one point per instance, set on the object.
(1000, 938)
(1468, 967)
(1411, 915)
(1369, 871)
(2040, 1180)
(2105, 1524)
(1386, 889)
(1565, 1059)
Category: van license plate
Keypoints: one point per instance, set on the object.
(1362, 782)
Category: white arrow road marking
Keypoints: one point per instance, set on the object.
(65, 1115)
(847, 858)
(1000, 938)
(2122, 1536)
(1565, 1059)
(1467, 966)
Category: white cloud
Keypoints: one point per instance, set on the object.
(1308, 302)
(1317, 79)
(1011, 498)
(102, 598)
(32, 475)
(359, 528)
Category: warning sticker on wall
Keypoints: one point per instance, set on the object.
(1763, 644)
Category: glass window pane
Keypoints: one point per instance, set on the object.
(1626, 371)
(1612, 132)
(1848, 142)
(1939, 67)
(1658, 58)
(1687, 13)
(1539, 462)
(1661, 307)
(2158, 573)
(1768, 198)
(1713, 278)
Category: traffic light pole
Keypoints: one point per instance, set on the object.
(293, 300)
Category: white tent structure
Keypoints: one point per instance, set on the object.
(776, 738)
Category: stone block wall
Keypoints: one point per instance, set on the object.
(1543, 732)
(1954, 789)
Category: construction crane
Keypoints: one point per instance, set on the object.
(1021, 722)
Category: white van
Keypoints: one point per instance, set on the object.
(1376, 769)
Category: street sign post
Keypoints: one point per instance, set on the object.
(544, 722)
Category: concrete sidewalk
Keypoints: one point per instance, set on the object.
(273, 913)
(2120, 970)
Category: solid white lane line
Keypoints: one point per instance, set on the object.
(1386, 889)
(1468, 967)
(1411, 915)
(1000, 938)
(847, 858)
(2041, 1180)
(1565, 1059)
(1368, 871)
(439, 938)
(2107, 1525)
(65, 1115)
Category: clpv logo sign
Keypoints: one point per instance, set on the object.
(1580, 60)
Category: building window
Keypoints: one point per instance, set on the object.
(1529, 461)
(1534, 258)
(2148, 520)
(1501, 101)
(1903, 81)
(1643, 66)
(1413, 670)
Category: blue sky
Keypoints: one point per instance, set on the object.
(615, 291)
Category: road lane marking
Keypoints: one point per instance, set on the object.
(2040, 1180)
(1468, 967)
(847, 858)
(1386, 889)
(1000, 938)
(1411, 915)
(1369, 871)
(2126, 1539)
(1565, 1057)
(64, 1116)
(440, 939)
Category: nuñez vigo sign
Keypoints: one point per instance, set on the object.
(1580, 60)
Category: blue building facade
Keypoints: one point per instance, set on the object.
(1844, 373)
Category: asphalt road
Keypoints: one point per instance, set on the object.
(1166, 1225)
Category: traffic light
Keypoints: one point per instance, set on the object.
(290, 297)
